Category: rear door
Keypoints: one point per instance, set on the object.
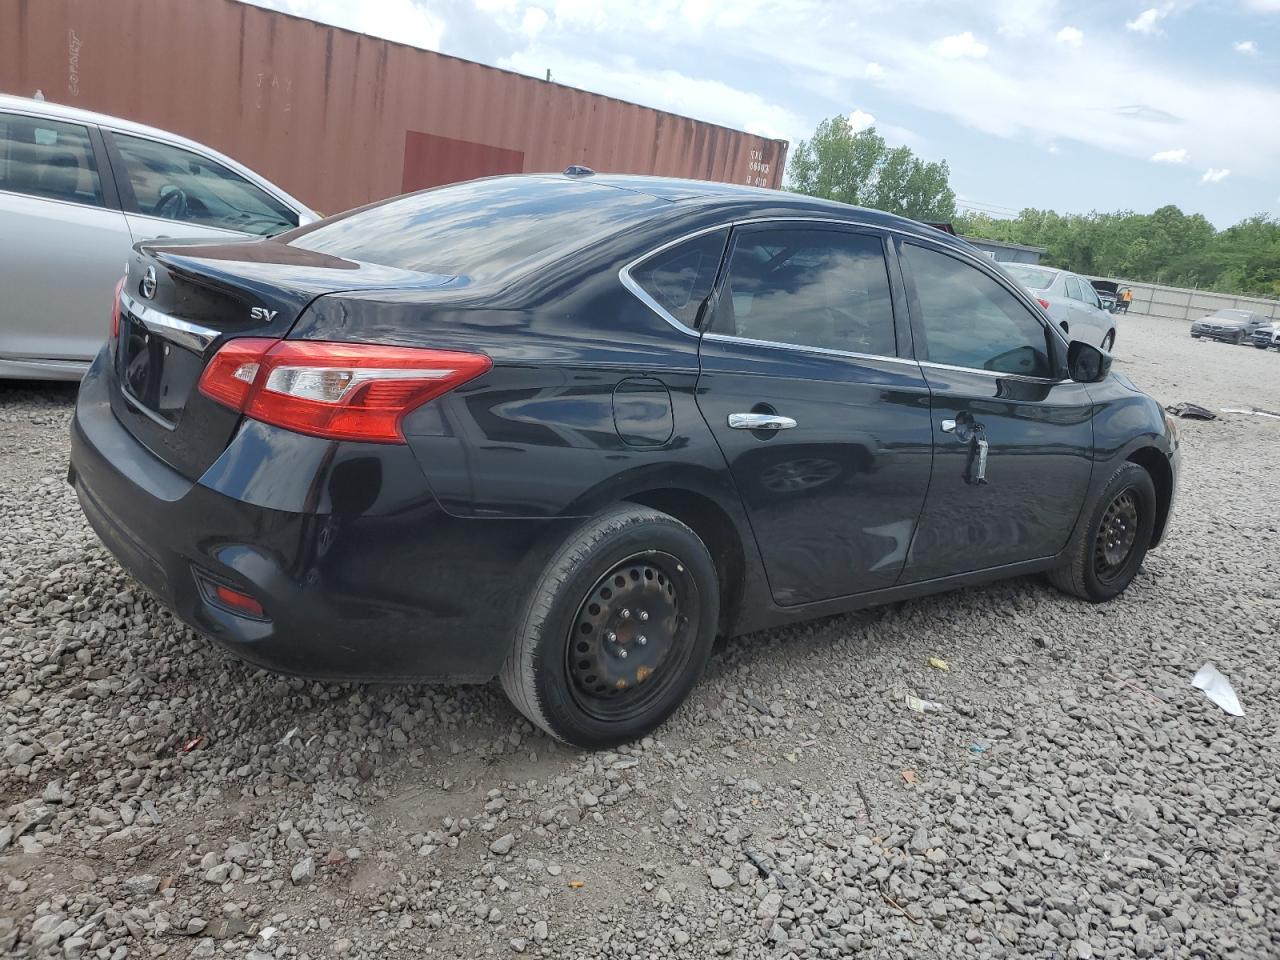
(808, 386)
(171, 192)
(1013, 438)
(63, 240)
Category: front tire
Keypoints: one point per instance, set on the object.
(1107, 550)
(1109, 341)
(617, 629)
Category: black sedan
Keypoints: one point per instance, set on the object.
(1232, 326)
(565, 430)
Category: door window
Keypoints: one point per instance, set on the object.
(1073, 289)
(812, 288)
(972, 321)
(177, 184)
(680, 277)
(48, 158)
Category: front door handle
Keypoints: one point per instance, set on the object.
(760, 421)
(948, 426)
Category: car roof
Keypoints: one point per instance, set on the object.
(736, 199)
(59, 111)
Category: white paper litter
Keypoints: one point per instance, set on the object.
(1218, 689)
(1252, 413)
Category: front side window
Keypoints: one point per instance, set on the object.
(176, 184)
(48, 158)
(972, 321)
(680, 278)
(812, 288)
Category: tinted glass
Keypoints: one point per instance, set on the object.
(814, 288)
(680, 278)
(972, 321)
(177, 184)
(48, 158)
(478, 228)
(1030, 277)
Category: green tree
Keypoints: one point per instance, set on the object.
(837, 163)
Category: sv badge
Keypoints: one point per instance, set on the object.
(262, 314)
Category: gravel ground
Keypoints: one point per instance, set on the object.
(1075, 798)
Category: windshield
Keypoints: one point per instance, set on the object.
(477, 228)
(1233, 314)
(1030, 277)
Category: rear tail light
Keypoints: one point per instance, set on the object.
(339, 391)
(1044, 303)
(115, 307)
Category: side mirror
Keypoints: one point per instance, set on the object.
(1086, 363)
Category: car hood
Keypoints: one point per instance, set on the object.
(1223, 322)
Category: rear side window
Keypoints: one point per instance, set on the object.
(1073, 289)
(177, 184)
(972, 321)
(811, 288)
(680, 278)
(48, 158)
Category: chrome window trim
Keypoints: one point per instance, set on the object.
(185, 334)
(802, 348)
(624, 275)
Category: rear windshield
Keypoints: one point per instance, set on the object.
(478, 228)
(1029, 277)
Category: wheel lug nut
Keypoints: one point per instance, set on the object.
(642, 639)
(643, 615)
(624, 613)
(611, 637)
(623, 653)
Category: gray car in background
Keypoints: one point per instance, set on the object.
(77, 191)
(1233, 326)
(1070, 300)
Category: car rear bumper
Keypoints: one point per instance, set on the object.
(379, 584)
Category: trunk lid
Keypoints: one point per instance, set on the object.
(181, 302)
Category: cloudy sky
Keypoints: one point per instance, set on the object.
(1092, 104)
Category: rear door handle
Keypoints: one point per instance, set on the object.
(760, 421)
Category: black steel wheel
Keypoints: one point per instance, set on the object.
(1116, 536)
(1111, 539)
(617, 630)
(631, 638)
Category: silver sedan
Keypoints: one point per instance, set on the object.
(77, 190)
(1070, 300)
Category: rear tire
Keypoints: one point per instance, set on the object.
(617, 629)
(1112, 540)
(1109, 341)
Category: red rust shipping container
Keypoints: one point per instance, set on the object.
(339, 118)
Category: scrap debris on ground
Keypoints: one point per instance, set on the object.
(1076, 797)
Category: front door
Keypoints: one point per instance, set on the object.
(823, 420)
(1013, 439)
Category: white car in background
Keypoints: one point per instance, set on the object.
(77, 191)
(1070, 300)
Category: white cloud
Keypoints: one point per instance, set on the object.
(1179, 155)
(1215, 176)
(1148, 21)
(1024, 18)
(710, 100)
(400, 20)
(873, 71)
(1071, 36)
(535, 18)
(860, 120)
(1245, 46)
(1263, 6)
(960, 46)
(1053, 148)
